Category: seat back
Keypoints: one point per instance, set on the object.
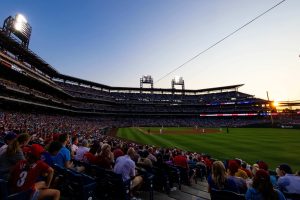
(225, 195)
(4, 194)
(117, 188)
(174, 175)
(291, 196)
(3, 190)
(76, 184)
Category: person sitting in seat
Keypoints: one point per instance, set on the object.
(63, 158)
(25, 175)
(126, 167)
(105, 159)
(262, 188)
(287, 181)
(233, 168)
(181, 160)
(81, 150)
(219, 180)
(12, 155)
(144, 161)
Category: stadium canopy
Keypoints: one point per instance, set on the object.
(66, 78)
(26, 55)
(11, 45)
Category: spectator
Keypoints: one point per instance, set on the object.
(63, 158)
(106, 158)
(244, 168)
(8, 139)
(240, 173)
(54, 148)
(255, 168)
(144, 161)
(118, 152)
(240, 182)
(74, 146)
(12, 155)
(89, 157)
(219, 180)
(81, 150)
(151, 156)
(26, 172)
(287, 181)
(262, 188)
(126, 167)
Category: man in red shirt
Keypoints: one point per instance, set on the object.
(25, 175)
(181, 161)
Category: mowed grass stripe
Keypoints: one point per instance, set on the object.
(274, 146)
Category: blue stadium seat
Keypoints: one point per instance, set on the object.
(161, 179)
(75, 185)
(4, 193)
(110, 186)
(148, 179)
(116, 187)
(225, 195)
(291, 196)
(174, 175)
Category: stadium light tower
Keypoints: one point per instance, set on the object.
(178, 80)
(19, 27)
(146, 79)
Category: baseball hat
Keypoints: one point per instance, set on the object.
(36, 150)
(233, 166)
(263, 165)
(286, 168)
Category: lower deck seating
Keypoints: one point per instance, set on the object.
(5, 195)
(75, 185)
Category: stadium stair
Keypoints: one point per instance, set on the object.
(197, 191)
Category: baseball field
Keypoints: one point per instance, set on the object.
(274, 146)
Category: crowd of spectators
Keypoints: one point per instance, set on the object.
(34, 142)
(150, 98)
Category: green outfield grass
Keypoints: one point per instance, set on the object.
(274, 146)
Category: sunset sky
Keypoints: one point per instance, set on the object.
(115, 42)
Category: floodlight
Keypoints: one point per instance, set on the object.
(21, 18)
(146, 79)
(20, 23)
(19, 27)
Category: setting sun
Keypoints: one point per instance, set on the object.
(275, 104)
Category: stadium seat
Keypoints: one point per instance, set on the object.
(225, 195)
(4, 193)
(201, 171)
(76, 185)
(148, 179)
(184, 175)
(161, 179)
(292, 196)
(116, 187)
(174, 175)
(110, 185)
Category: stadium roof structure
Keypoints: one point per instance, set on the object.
(24, 54)
(93, 84)
(27, 55)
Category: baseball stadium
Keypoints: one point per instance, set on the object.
(64, 137)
